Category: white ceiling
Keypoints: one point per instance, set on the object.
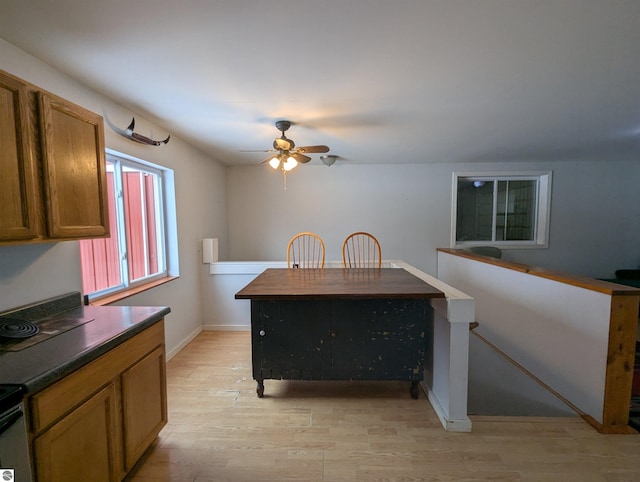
(379, 81)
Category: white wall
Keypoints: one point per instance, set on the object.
(594, 213)
(31, 273)
(407, 208)
(594, 219)
(556, 331)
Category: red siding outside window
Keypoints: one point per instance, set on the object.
(101, 261)
(100, 257)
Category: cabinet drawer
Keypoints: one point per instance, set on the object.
(54, 402)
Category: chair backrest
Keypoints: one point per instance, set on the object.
(305, 250)
(361, 250)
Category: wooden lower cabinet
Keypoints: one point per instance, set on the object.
(82, 445)
(144, 406)
(96, 423)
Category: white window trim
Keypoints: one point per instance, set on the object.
(168, 229)
(543, 208)
(160, 218)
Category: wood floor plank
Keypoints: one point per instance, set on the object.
(219, 430)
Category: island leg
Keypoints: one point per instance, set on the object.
(260, 388)
(415, 391)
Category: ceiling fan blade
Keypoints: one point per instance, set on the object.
(283, 144)
(258, 150)
(312, 149)
(301, 158)
(285, 147)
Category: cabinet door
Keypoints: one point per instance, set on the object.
(17, 191)
(74, 172)
(81, 446)
(379, 339)
(144, 404)
(291, 339)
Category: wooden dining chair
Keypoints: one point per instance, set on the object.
(361, 250)
(305, 250)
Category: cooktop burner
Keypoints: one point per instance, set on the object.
(13, 328)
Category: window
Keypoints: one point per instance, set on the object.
(504, 210)
(136, 252)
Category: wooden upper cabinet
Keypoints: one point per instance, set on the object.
(74, 172)
(18, 219)
(53, 181)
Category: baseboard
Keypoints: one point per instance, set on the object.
(463, 425)
(183, 343)
(226, 328)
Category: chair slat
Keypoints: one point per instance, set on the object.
(305, 250)
(361, 250)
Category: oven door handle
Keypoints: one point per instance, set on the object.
(9, 418)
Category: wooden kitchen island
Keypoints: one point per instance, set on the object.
(339, 324)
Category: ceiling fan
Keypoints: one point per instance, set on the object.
(287, 156)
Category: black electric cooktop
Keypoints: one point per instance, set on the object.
(10, 395)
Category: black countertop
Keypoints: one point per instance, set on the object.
(40, 365)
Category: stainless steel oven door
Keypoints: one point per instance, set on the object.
(14, 446)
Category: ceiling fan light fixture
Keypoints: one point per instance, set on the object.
(275, 162)
(329, 159)
(289, 164)
(288, 156)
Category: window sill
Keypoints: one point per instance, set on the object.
(503, 245)
(121, 295)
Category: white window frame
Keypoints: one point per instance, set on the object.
(164, 220)
(160, 220)
(543, 211)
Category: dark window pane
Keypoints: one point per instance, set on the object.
(474, 217)
(516, 210)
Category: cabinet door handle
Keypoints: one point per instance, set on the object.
(262, 333)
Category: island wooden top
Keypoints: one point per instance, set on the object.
(337, 283)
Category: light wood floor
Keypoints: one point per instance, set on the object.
(353, 431)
